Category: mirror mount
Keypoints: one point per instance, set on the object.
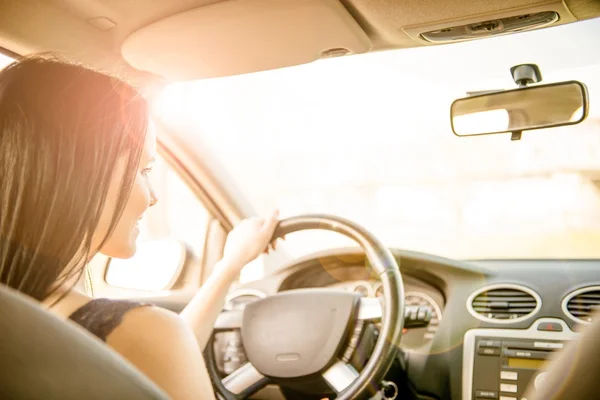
(523, 75)
(515, 135)
(526, 74)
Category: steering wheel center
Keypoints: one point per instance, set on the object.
(306, 336)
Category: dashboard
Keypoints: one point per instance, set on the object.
(493, 323)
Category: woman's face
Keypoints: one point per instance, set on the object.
(122, 242)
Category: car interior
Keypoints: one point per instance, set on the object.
(437, 164)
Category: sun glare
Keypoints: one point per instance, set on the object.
(4, 60)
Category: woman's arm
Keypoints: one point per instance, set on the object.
(202, 311)
(244, 243)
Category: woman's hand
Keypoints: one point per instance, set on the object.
(249, 239)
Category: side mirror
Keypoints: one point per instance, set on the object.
(156, 266)
(528, 108)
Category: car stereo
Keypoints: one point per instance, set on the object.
(502, 364)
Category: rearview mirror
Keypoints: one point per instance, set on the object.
(534, 107)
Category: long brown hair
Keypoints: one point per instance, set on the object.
(63, 127)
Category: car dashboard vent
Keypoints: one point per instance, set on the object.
(581, 304)
(503, 303)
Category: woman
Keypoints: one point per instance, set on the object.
(76, 148)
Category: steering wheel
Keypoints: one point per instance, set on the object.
(307, 336)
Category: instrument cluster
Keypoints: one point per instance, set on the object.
(412, 338)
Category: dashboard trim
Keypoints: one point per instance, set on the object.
(530, 333)
(572, 294)
(527, 290)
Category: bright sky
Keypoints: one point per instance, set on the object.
(368, 137)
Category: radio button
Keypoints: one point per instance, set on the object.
(509, 375)
(538, 355)
(548, 345)
(508, 387)
(484, 351)
(486, 394)
(489, 343)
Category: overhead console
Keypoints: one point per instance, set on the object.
(501, 364)
(511, 20)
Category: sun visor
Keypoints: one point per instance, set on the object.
(241, 36)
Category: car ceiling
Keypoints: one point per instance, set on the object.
(93, 31)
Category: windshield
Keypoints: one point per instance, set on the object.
(368, 137)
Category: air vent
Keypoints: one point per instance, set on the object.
(581, 304)
(503, 303)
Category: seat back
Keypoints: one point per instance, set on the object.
(44, 357)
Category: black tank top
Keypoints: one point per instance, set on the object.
(101, 316)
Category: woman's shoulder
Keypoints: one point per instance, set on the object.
(159, 343)
(120, 320)
(102, 316)
(147, 325)
(162, 345)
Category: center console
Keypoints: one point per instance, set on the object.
(501, 364)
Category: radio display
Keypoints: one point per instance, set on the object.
(525, 363)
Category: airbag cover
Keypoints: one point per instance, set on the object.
(297, 333)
